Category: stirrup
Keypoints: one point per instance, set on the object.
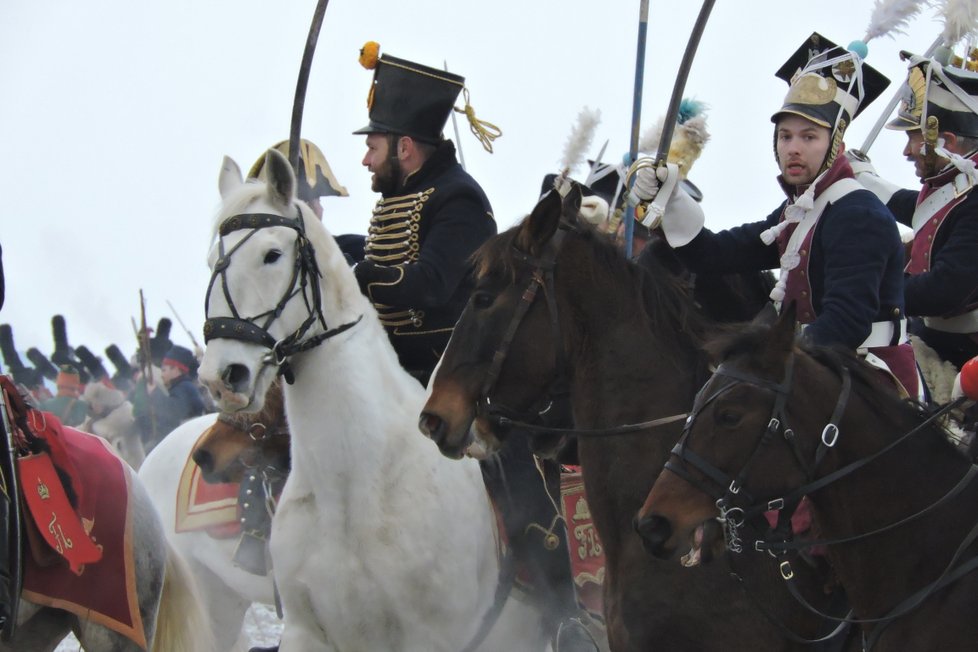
(573, 636)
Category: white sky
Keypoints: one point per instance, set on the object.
(115, 115)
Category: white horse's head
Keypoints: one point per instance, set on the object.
(279, 286)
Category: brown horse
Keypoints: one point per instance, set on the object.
(622, 343)
(237, 443)
(894, 501)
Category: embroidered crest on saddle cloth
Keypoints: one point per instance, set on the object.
(587, 558)
(97, 578)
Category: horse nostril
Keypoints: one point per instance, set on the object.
(235, 376)
(204, 460)
(432, 426)
(654, 530)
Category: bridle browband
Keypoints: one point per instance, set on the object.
(777, 540)
(304, 282)
(538, 418)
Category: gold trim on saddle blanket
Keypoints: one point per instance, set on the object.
(134, 629)
(200, 504)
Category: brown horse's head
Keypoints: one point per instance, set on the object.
(243, 441)
(726, 438)
(502, 354)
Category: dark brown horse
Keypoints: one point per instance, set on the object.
(559, 312)
(894, 500)
(237, 443)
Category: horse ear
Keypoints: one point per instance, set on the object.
(767, 316)
(783, 331)
(281, 178)
(230, 177)
(539, 226)
(571, 206)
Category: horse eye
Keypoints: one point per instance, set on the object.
(482, 300)
(727, 418)
(272, 256)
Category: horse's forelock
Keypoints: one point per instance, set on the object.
(496, 256)
(237, 201)
(750, 340)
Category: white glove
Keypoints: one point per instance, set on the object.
(867, 176)
(648, 181)
(682, 219)
(594, 210)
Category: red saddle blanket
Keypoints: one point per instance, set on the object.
(586, 554)
(205, 506)
(100, 588)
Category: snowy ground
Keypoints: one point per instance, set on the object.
(262, 627)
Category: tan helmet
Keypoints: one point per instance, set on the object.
(317, 178)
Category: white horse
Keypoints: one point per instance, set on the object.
(379, 542)
(112, 420)
(169, 605)
(227, 590)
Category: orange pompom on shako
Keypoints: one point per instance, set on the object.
(368, 54)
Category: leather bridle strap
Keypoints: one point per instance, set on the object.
(541, 276)
(305, 274)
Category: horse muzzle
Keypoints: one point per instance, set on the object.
(451, 445)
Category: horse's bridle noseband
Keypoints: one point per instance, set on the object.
(304, 282)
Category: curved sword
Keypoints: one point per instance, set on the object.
(302, 82)
(669, 119)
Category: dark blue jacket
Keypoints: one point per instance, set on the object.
(455, 220)
(855, 269)
(951, 285)
(952, 282)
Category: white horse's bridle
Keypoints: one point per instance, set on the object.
(305, 282)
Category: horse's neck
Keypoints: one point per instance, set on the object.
(627, 375)
(352, 406)
(881, 569)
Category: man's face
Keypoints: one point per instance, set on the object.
(169, 373)
(801, 146)
(914, 151)
(377, 160)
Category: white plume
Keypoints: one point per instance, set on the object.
(649, 142)
(579, 140)
(891, 16)
(960, 20)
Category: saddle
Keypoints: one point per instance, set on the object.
(65, 489)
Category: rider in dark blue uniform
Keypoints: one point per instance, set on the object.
(431, 217)
(837, 246)
(942, 282)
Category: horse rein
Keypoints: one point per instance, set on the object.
(305, 276)
(535, 420)
(733, 517)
